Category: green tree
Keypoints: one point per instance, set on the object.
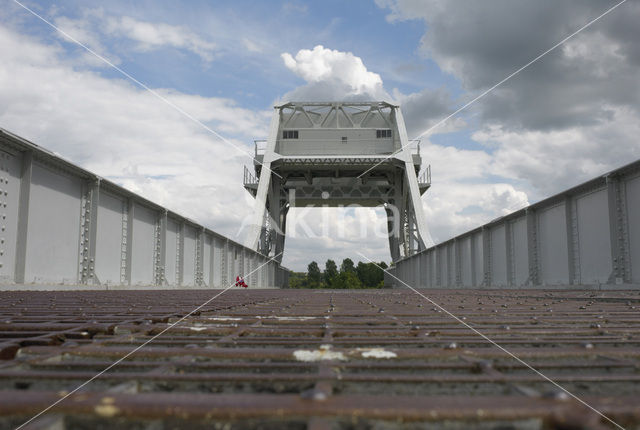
(370, 275)
(347, 266)
(314, 276)
(346, 280)
(330, 272)
(297, 280)
(383, 266)
(365, 273)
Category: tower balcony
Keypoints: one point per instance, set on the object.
(424, 180)
(250, 181)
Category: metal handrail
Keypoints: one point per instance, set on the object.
(249, 178)
(425, 177)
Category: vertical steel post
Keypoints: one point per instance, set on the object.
(486, 256)
(226, 262)
(23, 216)
(212, 262)
(161, 249)
(532, 247)
(458, 261)
(572, 251)
(89, 232)
(180, 255)
(438, 266)
(200, 257)
(128, 260)
(508, 231)
(473, 257)
(618, 232)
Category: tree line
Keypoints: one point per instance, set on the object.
(363, 275)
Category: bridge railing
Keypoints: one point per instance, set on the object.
(425, 177)
(588, 235)
(63, 225)
(249, 179)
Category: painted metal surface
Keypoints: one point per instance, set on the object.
(295, 359)
(62, 225)
(109, 244)
(588, 235)
(53, 230)
(633, 213)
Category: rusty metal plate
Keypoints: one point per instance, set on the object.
(320, 359)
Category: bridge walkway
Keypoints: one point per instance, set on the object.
(316, 359)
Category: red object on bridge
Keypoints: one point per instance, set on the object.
(240, 282)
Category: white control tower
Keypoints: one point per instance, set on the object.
(338, 154)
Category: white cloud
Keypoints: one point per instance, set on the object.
(333, 75)
(480, 43)
(463, 195)
(121, 132)
(150, 36)
(94, 25)
(426, 108)
(83, 31)
(551, 161)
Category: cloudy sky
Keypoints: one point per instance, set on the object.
(570, 116)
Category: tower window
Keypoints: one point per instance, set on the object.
(289, 134)
(344, 139)
(381, 134)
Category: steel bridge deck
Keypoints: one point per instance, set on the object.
(317, 359)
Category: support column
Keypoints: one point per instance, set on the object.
(278, 221)
(212, 260)
(128, 240)
(252, 267)
(509, 253)
(415, 202)
(242, 266)
(23, 216)
(532, 247)
(264, 184)
(486, 256)
(618, 232)
(161, 249)
(199, 281)
(438, 268)
(473, 260)
(224, 264)
(458, 262)
(450, 271)
(573, 252)
(393, 227)
(180, 255)
(89, 232)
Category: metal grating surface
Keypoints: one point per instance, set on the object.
(377, 359)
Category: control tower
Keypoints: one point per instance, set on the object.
(338, 154)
